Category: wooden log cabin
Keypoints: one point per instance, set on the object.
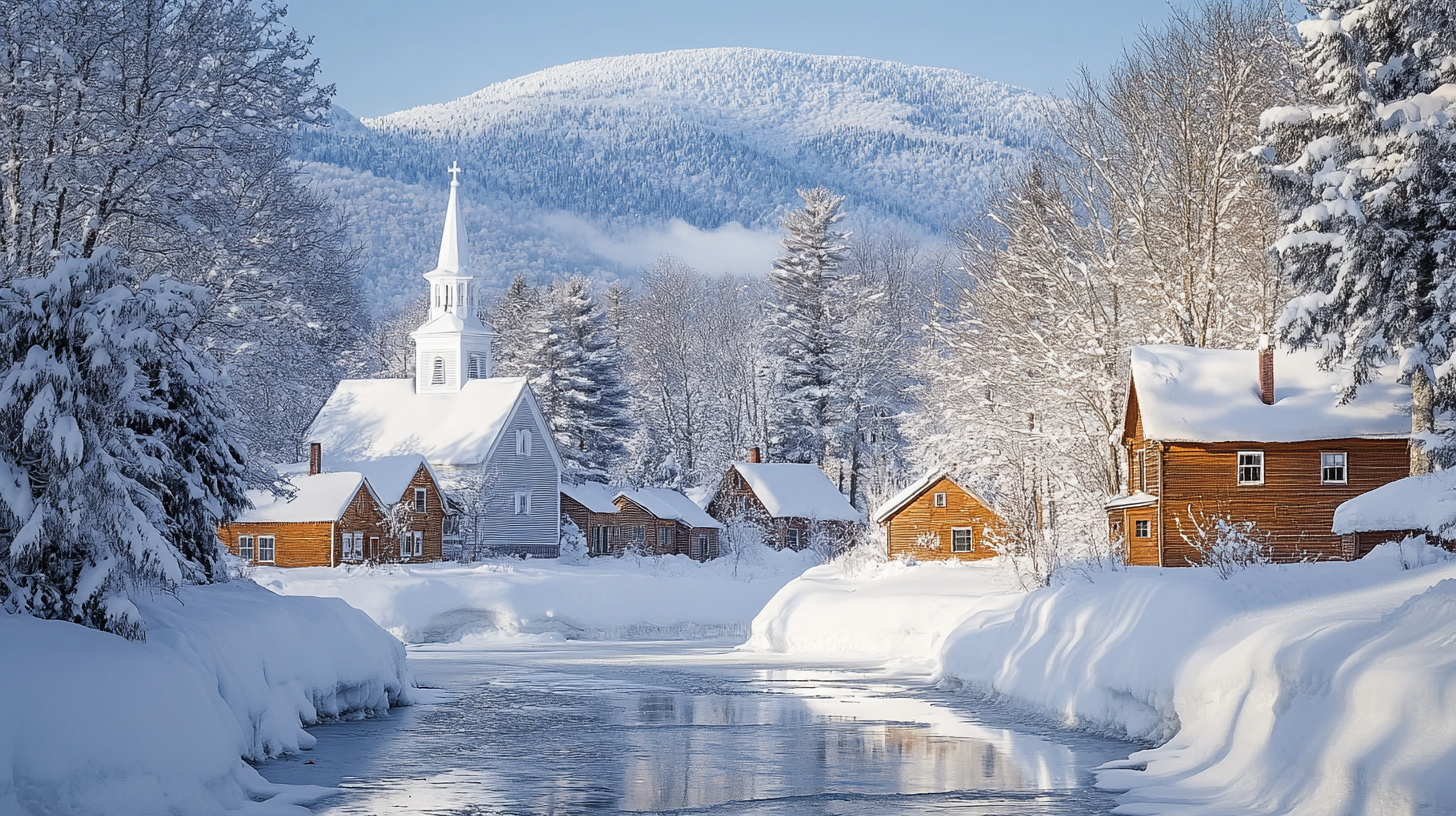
(677, 525)
(1256, 437)
(792, 502)
(591, 507)
(388, 510)
(935, 518)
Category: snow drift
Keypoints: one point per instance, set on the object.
(1300, 689)
(95, 724)
(605, 598)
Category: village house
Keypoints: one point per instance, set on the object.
(935, 518)
(1416, 505)
(484, 436)
(790, 501)
(591, 507)
(1255, 437)
(332, 517)
(665, 522)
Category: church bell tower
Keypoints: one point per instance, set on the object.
(453, 346)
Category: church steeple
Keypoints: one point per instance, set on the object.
(453, 346)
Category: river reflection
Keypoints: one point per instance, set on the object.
(604, 729)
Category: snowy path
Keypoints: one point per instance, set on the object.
(577, 727)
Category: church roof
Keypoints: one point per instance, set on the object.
(369, 419)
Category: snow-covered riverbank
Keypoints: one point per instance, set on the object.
(1304, 689)
(94, 724)
(604, 599)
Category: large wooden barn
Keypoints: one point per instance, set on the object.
(935, 518)
(1249, 436)
(792, 502)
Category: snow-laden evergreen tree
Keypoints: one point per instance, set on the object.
(1365, 171)
(579, 382)
(117, 462)
(519, 319)
(806, 338)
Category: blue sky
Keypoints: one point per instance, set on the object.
(387, 56)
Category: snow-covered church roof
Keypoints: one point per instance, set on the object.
(1188, 394)
(796, 491)
(369, 419)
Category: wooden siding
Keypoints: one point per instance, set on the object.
(297, 544)
(735, 497)
(431, 523)
(1292, 508)
(904, 529)
(587, 521)
(637, 525)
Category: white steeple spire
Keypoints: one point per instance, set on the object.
(453, 346)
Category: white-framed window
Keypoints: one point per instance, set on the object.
(523, 443)
(791, 538)
(265, 548)
(960, 539)
(1251, 467)
(664, 538)
(437, 371)
(406, 541)
(523, 502)
(419, 543)
(1142, 528)
(939, 499)
(420, 500)
(353, 546)
(245, 547)
(1332, 467)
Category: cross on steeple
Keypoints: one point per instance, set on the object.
(453, 169)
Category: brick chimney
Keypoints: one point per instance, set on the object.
(315, 458)
(754, 457)
(1266, 369)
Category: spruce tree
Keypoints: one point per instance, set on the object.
(518, 320)
(117, 463)
(1365, 172)
(806, 340)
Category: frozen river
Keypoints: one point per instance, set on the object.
(583, 727)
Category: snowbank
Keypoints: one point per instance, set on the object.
(605, 598)
(94, 724)
(1304, 689)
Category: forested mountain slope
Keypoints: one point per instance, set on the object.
(563, 157)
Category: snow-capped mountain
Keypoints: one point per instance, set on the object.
(598, 166)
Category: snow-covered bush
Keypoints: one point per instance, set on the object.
(1222, 543)
(116, 459)
(573, 542)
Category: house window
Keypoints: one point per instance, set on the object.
(960, 539)
(404, 543)
(353, 546)
(245, 548)
(265, 548)
(791, 538)
(700, 545)
(599, 539)
(1142, 528)
(419, 500)
(523, 502)
(939, 499)
(1332, 468)
(437, 376)
(1251, 467)
(664, 538)
(523, 443)
(419, 542)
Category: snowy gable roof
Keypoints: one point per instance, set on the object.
(913, 491)
(670, 504)
(594, 496)
(321, 497)
(369, 419)
(796, 491)
(1414, 503)
(1188, 394)
(388, 476)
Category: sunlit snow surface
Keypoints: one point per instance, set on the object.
(526, 726)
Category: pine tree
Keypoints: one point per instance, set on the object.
(806, 340)
(519, 321)
(1366, 176)
(117, 463)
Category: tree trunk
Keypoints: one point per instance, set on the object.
(1423, 421)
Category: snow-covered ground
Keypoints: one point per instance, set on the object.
(602, 599)
(1303, 689)
(94, 724)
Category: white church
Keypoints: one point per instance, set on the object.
(469, 425)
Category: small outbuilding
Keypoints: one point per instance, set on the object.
(1416, 505)
(790, 501)
(590, 507)
(936, 518)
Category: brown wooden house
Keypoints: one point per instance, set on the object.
(790, 501)
(935, 518)
(591, 507)
(384, 510)
(1252, 437)
(666, 522)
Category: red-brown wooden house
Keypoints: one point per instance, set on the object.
(936, 518)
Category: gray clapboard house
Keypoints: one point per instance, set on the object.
(481, 434)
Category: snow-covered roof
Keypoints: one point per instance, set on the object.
(389, 476)
(670, 504)
(1126, 501)
(796, 491)
(913, 491)
(1413, 503)
(594, 496)
(369, 419)
(1191, 394)
(321, 497)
